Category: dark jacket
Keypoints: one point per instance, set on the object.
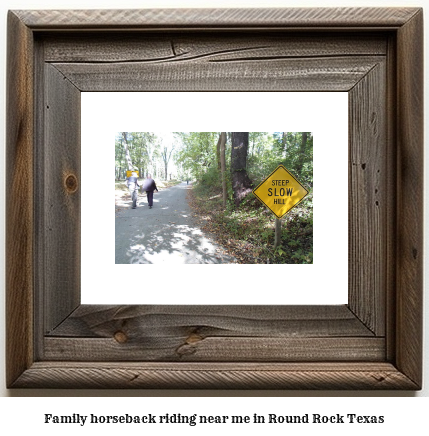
(149, 185)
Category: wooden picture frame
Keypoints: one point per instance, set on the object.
(373, 342)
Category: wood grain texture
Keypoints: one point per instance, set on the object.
(110, 375)
(390, 184)
(207, 18)
(178, 47)
(61, 186)
(99, 321)
(368, 202)
(19, 200)
(190, 347)
(213, 333)
(409, 279)
(39, 152)
(193, 348)
(330, 74)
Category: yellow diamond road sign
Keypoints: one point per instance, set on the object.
(280, 191)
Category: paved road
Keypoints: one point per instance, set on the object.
(164, 234)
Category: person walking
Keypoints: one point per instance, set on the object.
(133, 186)
(149, 186)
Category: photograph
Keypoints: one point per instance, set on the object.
(214, 198)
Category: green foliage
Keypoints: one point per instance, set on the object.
(248, 232)
(294, 150)
(144, 152)
(209, 184)
(247, 229)
(197, 153)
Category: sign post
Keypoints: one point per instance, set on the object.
(280, 192)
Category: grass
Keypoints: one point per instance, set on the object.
(248, 233)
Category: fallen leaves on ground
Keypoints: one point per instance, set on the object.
(243, 252)
(247, 233)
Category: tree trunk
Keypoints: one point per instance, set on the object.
(284, 142)
(119, 174)
(221, 143)
(241, 183)
(166, 158)
(127, 151)
(302, 153)
(218, 154)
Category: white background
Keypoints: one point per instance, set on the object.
(16, 414)
(105, 114)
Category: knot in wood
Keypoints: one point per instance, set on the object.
(71, 183)
(193, 338)
(120, 337)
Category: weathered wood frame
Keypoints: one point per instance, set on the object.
(374, 342)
